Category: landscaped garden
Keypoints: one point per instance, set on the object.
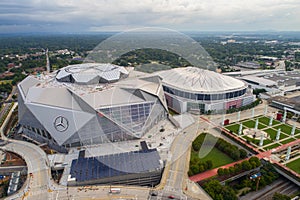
(271, 131)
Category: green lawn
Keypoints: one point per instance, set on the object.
(217, 157)
(287, 141)
(284, 128)
(266, 121)
(234, 128)
(249, 123)
(294, 165)
(272, 133)
(272, 146)
(298, 136)
(261, 126)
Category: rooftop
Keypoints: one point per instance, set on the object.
(91, 73)
(199, 80)
(84, 169)
(259, 80)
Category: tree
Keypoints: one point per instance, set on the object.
(217, 191)
(201, 168)
(243, 153)
(246, 165)
(238, 167)
(235, 154)
(232, 170)
(209, 164)
(195, 169)
(220, 171)
(226, 171)
(253, 164)
(256, 160)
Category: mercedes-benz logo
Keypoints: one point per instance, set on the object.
(61, 124)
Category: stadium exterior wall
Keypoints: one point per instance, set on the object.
(182, 105)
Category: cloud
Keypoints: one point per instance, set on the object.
(91, 15)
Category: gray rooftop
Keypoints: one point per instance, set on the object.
(84, 169)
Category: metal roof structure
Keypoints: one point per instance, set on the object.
(84, 169)
(199, 80)
(259, 80)
(91, 73)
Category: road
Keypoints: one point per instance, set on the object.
(36, 163)
(178, 165)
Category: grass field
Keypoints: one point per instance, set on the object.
(294, 165)
(234, 128)
(286, 128)
(273, 134)
(287, 140)
(217, 157)
(266, 121)
(251, 124)
(272, 146)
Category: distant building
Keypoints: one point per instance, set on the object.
(269, 58)
(6, 74)
(259, 81)
(10, 65)
(282, 103)
(276, 82)
(249, 65)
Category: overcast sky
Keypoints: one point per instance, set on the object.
(119, 15)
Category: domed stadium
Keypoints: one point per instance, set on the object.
(195, 89)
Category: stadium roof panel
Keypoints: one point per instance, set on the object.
(199, 80)
(91, 73)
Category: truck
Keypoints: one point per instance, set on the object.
(115, 190)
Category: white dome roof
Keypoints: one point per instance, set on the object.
(91, 73)
(198, 80)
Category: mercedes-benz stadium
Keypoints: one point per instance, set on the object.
(198, 90)
(89, 104)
